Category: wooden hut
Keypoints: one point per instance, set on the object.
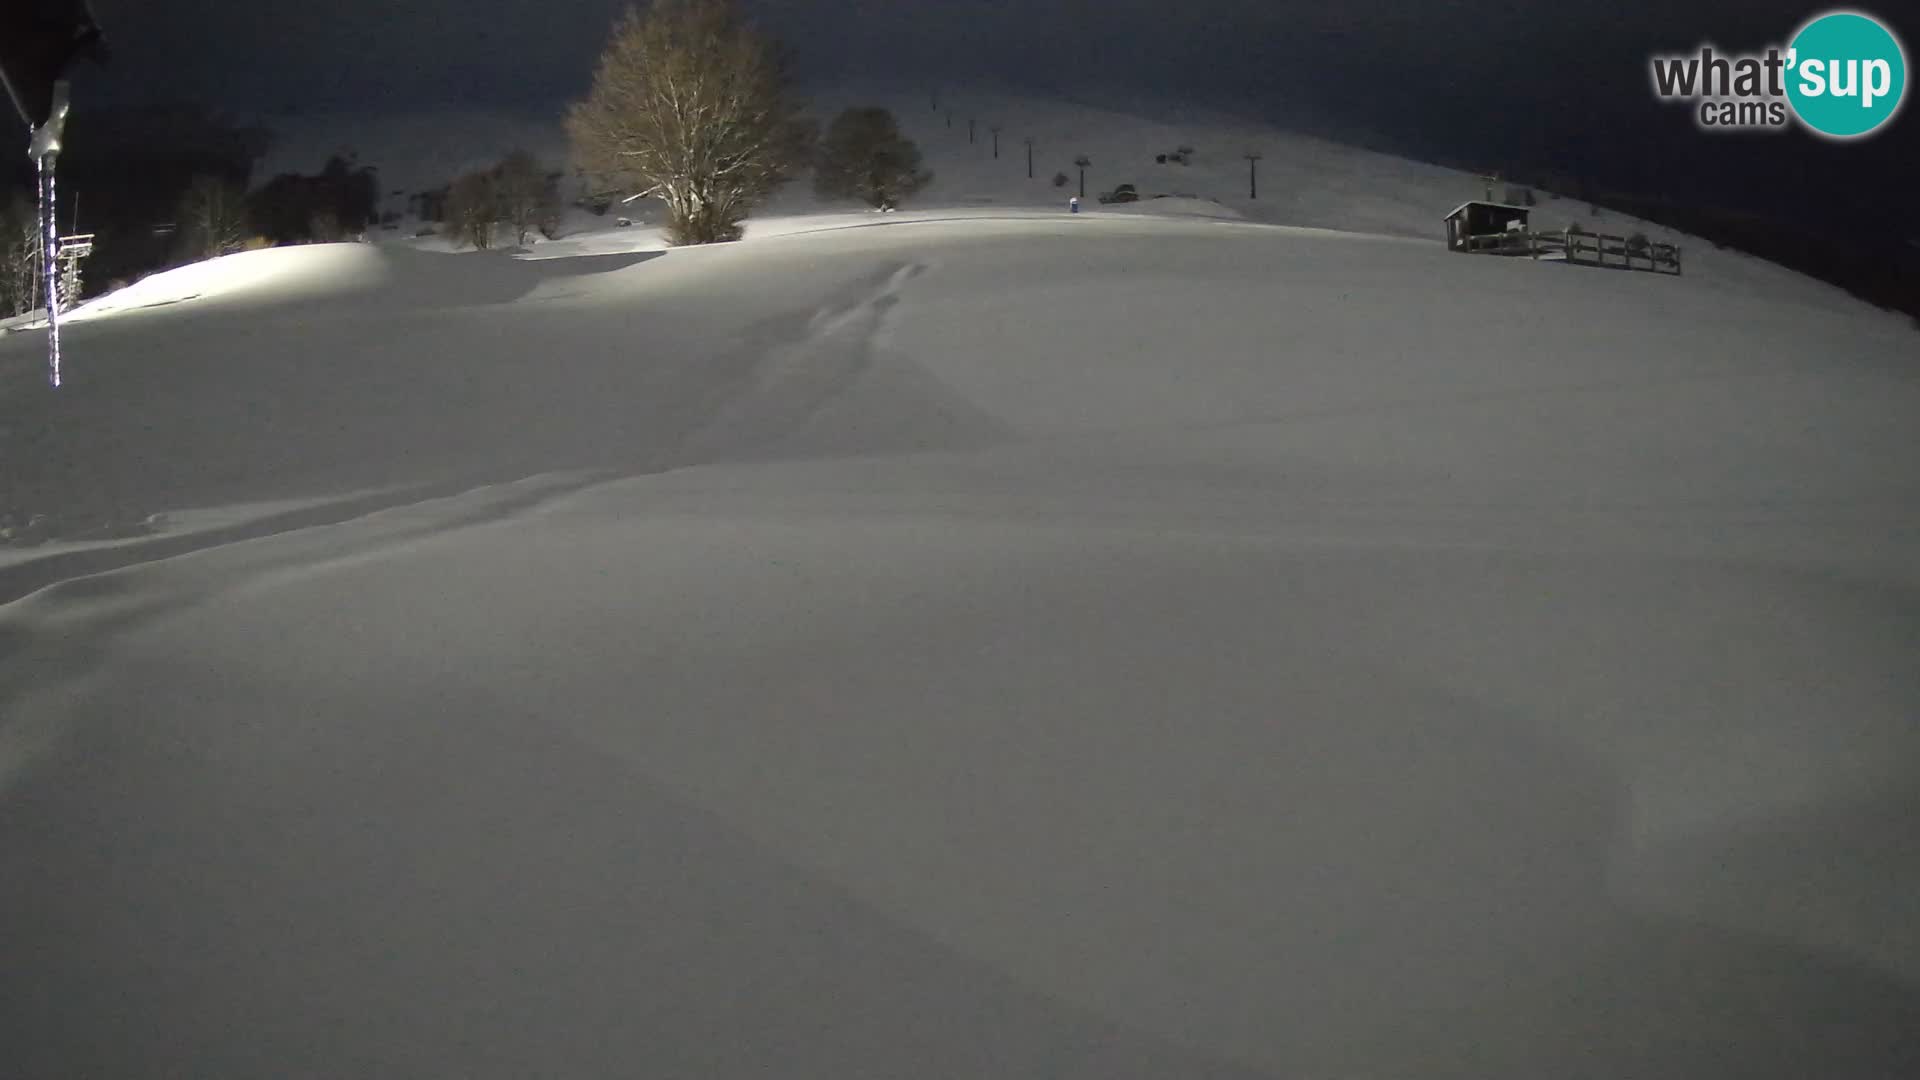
(1477, 225)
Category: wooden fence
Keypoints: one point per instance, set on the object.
(1587, 249)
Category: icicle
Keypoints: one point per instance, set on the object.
(50, 263)
(45, 152)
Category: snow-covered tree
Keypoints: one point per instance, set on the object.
(864, 156)
(691, 104)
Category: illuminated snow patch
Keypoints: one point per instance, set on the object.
(270, 274)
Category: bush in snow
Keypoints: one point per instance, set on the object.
(473, 209)
(1061, 179)
(864, 156)
(324, 227)
(691, 104)
(525, 193)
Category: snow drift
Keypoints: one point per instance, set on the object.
(1011, 645)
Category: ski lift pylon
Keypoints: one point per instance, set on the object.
(39, 42)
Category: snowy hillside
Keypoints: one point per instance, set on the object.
(1303, 180)
(972, 641)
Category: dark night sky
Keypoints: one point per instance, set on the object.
(1529, 82)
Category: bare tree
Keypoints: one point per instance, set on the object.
(691, 104)
(524, 194)
(19, 257)
(473, 210)
(864, 156)
(213, 218)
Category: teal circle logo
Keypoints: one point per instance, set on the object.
(1847, 74)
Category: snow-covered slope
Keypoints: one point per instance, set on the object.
(974, 641)
(1303, 180)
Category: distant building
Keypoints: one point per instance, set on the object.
(1472, 220)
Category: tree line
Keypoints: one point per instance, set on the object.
(159, 185)
(690, 104)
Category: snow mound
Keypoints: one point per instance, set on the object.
(382, 276)
(313, 271)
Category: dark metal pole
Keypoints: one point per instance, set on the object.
(1029, 159)
(996, 143)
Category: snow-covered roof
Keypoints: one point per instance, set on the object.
(1455, 212)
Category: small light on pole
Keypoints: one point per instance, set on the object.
(1029, 157)
(1253, 173)
(1083, 163)
(996, 141)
